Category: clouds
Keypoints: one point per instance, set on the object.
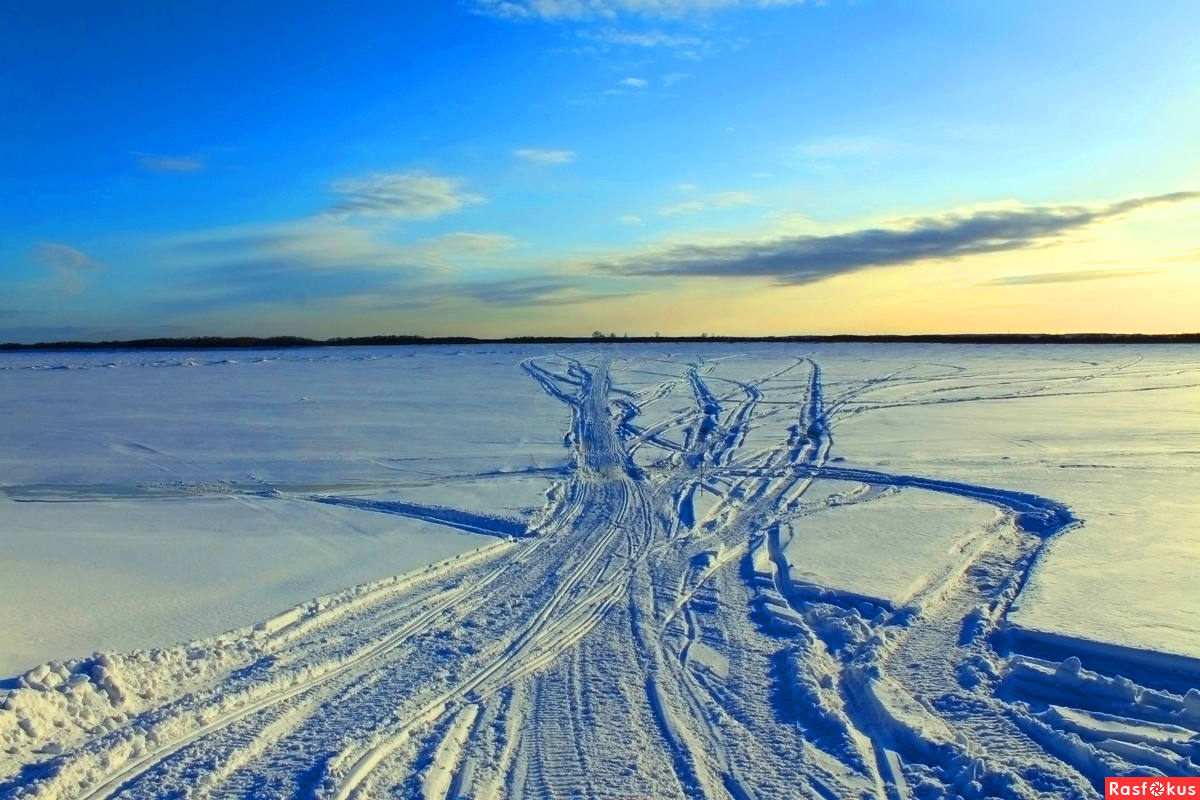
(316, 262)
(452, 245)
(351, 251)
(647, 41)
(1075, 276)
(545, 157)
(516, 292)
(320, 243)
(806, 259)
(634, 85)
(152, 163)
(847, 147)
(524, 291)
(69, 265)
(340, 264)
(326, 245)
(565, 10)
(290, 264)
(402, 195)
(631, 85)
(713, 202)
(643, 39)
(63, 257)
(683, 207)
(601, 26)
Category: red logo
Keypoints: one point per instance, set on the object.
(1152, 788)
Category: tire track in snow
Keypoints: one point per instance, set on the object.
(611, 603)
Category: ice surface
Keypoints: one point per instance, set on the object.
(886, 550)
(122, 574)
(134, 506)
(315, 419)
(1110, 431)
(898, 573)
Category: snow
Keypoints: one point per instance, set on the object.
(839, 571)
(885, 550)
(122, 575)
(140, 486)
(1122, 449)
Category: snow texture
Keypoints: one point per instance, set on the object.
(754, 572)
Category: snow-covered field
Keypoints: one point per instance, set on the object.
(624, 571)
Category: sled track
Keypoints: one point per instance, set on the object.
(645, 639)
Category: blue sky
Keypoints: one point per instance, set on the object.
(500, 167)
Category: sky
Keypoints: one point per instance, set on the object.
(554, 167)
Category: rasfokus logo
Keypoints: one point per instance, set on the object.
(1152, 788)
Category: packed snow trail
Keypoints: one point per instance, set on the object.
(644, 638)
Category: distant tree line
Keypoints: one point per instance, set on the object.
(597, 337)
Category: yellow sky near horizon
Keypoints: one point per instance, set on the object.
(1139, 274)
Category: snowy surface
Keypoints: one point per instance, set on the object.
(1111, 431)
(132, 507)
(886, 550)
(121, 574)
(900, 573)
(378, 418)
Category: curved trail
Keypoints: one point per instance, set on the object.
(646, 640)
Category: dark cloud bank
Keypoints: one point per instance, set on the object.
(806, 259)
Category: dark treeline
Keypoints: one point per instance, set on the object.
(274, 342)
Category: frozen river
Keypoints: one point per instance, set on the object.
(657, 571)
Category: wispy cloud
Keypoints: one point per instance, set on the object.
(602, 26)
(630, 219)
(465, 243)
(809, 258)
(159, 163)
(521, 291)
(537, 155)
(402, 195)
(321, 243)
(1066, 277)
(315, 261)
(330, 246)
(727, 199)
(718, 200)
(684, 207)
(62, 256)
(635, 83)
(277, 265)
(556, 10)
(336, 265)
(534, 290)
(847, 147)
(690, 45)
(648, 39)
(69, 265)
(267, 282)
(460, 251)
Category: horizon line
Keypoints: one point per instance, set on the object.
(384, 340)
